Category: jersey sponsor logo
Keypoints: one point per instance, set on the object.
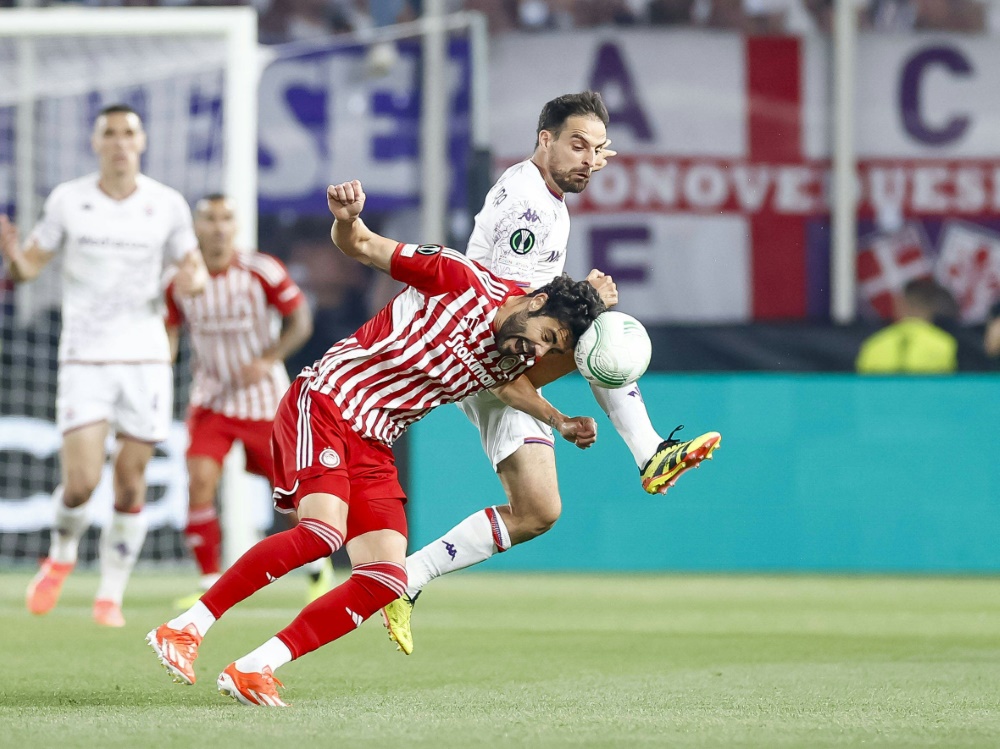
(530, 215)
(329, 458)
(468, 358)
(522, 241)
(429, 249)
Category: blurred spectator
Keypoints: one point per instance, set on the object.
(298, 20)
(938, 15)
(914, 344)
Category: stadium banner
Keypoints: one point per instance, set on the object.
(323, 119)
(815, 473)
(717, 207)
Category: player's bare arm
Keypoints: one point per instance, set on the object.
(521, 394)
(296, 329)
(22, 264)
(349, 232)
(192, 275)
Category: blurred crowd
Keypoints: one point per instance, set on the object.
(296, 20)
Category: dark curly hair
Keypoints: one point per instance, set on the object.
(576, 304)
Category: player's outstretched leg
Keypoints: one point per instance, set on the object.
(673, 457)
(250, 680)
(474, 540)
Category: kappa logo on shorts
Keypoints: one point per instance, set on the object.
(329, 458)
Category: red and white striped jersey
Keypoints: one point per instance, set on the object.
(235, 321)
(432, 344)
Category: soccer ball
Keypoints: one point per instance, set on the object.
(614, 351)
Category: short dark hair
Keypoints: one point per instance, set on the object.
(117, 109)
(576, 304)
(556, 112)
(927, 294)
(213, 196)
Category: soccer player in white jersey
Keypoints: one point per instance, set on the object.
(117, 230)
(456, 329)
(521, 234)
(250, 318)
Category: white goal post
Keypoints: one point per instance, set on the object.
(54, 64)
(236, 26)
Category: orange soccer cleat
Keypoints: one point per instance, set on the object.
(108, 613)
(177, 650)
(254, 688)
(45, 587)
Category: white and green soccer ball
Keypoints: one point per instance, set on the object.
(614, 351)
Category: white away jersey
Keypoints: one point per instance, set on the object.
(523, 229)
(115, 252)
(433, 343)
(235, 321)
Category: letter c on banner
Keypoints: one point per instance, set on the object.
(909, 95)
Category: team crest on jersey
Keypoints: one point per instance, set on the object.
(329, 458)
(522, 241)
(429, 249)
(508, 363)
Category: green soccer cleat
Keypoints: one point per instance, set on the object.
(673, 457)
(396, 617)
(320, 583)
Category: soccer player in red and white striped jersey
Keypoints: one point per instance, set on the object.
(456, 329)
(250, 318)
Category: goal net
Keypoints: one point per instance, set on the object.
(191, 74)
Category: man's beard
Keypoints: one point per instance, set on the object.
(511, 333)
(564, 180)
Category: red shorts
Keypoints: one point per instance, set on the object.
(212, 435)
(317, 451)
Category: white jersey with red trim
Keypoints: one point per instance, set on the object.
(523, 229)
(432, 344)
(233, 322)
(115, 253)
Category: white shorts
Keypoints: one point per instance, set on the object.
(503, 429)
(135, 399)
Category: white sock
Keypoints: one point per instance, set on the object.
(121, 542)
(273, 653)
(198, 615)
(67, 530)
(627, 411)
(470, 542)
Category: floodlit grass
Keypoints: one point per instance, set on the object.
(536, 661)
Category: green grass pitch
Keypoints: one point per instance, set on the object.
(536, 661)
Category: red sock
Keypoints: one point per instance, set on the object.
(369, 588)
(268, 560)
(204, 538)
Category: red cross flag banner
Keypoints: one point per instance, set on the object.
(717, 207)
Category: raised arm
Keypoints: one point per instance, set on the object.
(22, 264)
(349, 232)
(521, 394)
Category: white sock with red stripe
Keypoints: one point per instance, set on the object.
(627, 411)
(121, 542)
(67, 530)
(472, 541)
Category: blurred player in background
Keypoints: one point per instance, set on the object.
(521, 234)
(238, 372)
(455, 330)
(117, 230)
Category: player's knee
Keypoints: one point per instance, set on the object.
(201, 491)
(78, 485)
(542, 519)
